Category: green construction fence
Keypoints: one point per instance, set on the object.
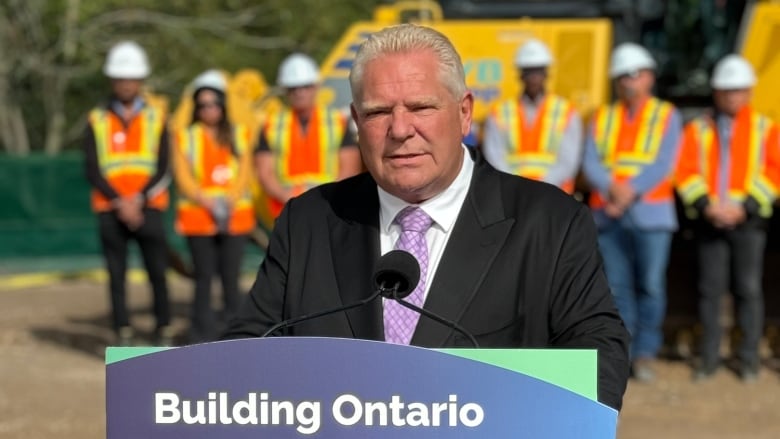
(46, 223)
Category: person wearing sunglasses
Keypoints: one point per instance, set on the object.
(630, 152)
(213, 169)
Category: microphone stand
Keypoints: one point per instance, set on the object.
(389, 293)
(285, 323)
(442, 320)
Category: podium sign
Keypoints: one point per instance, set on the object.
(339, 388)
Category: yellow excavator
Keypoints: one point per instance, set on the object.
(686, 36)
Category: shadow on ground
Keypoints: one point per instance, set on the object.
(92, 335)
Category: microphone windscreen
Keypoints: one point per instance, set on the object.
(396, 267)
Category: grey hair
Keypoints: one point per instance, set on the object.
(406, 38)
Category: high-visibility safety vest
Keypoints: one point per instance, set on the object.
(754, 162)
(626, 145)
(215, 168)
(304, 159)
(127, 154)
(533, 149)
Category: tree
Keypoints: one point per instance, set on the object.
(51, 52)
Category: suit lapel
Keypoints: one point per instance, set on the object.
(476, 239)
(354, 234)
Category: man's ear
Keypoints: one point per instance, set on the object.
(466, 112)
(354, 112)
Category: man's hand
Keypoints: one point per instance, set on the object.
(725, 216)
(613, 210)
(130, 212)
(622, 195)
(714, 214)
(734, 214)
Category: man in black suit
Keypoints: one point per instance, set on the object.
(513, 261)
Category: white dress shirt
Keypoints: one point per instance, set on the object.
(443, 209)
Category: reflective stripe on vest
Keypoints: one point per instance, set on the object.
(127, 155)
(626, 147)
(750, 129)
(313, 159)
(193, 219)
(644, 146)
(692, 187)
(531, 150)
(141, 160)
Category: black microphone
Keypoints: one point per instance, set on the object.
(396, 273)
(393, 274)
(404, 275)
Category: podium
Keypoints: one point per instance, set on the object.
(340, 388)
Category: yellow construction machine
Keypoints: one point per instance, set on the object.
(686, 36)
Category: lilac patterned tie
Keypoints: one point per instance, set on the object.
(400, 321)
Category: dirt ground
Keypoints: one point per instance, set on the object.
(52, 374)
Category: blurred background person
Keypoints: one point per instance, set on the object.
(537, 135)
(304, 144)
(127, 152)
(630, 153)
(213, 170)
(728, 177)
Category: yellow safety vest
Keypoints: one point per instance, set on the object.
(193, 219)
(127, 155)
(531, 150)
(309, 158)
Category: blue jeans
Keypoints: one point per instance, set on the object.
(635, 262)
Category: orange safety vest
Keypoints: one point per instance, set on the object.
(532, 150)
(625, 146)
(754, 161)
(304, 159)
(215, 168)
(127, 154)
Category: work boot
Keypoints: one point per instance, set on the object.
(163, 336)
(643, 370)
(706, 368)
(704, 373)
(748, 376)
(748, 372)
(125, 336)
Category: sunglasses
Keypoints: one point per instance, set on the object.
(632, 75)
(203, 105)
(301, 87)
(533, 71)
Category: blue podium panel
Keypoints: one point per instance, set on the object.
(336, 388)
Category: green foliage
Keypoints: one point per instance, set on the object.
(182, 37)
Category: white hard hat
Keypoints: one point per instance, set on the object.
(733, 72)
(126, 60)
(210, 79)
(298, 70)
(628, 58)
(533, 53)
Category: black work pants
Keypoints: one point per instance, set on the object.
(731, 259)
(218, 254)
(114, 236)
